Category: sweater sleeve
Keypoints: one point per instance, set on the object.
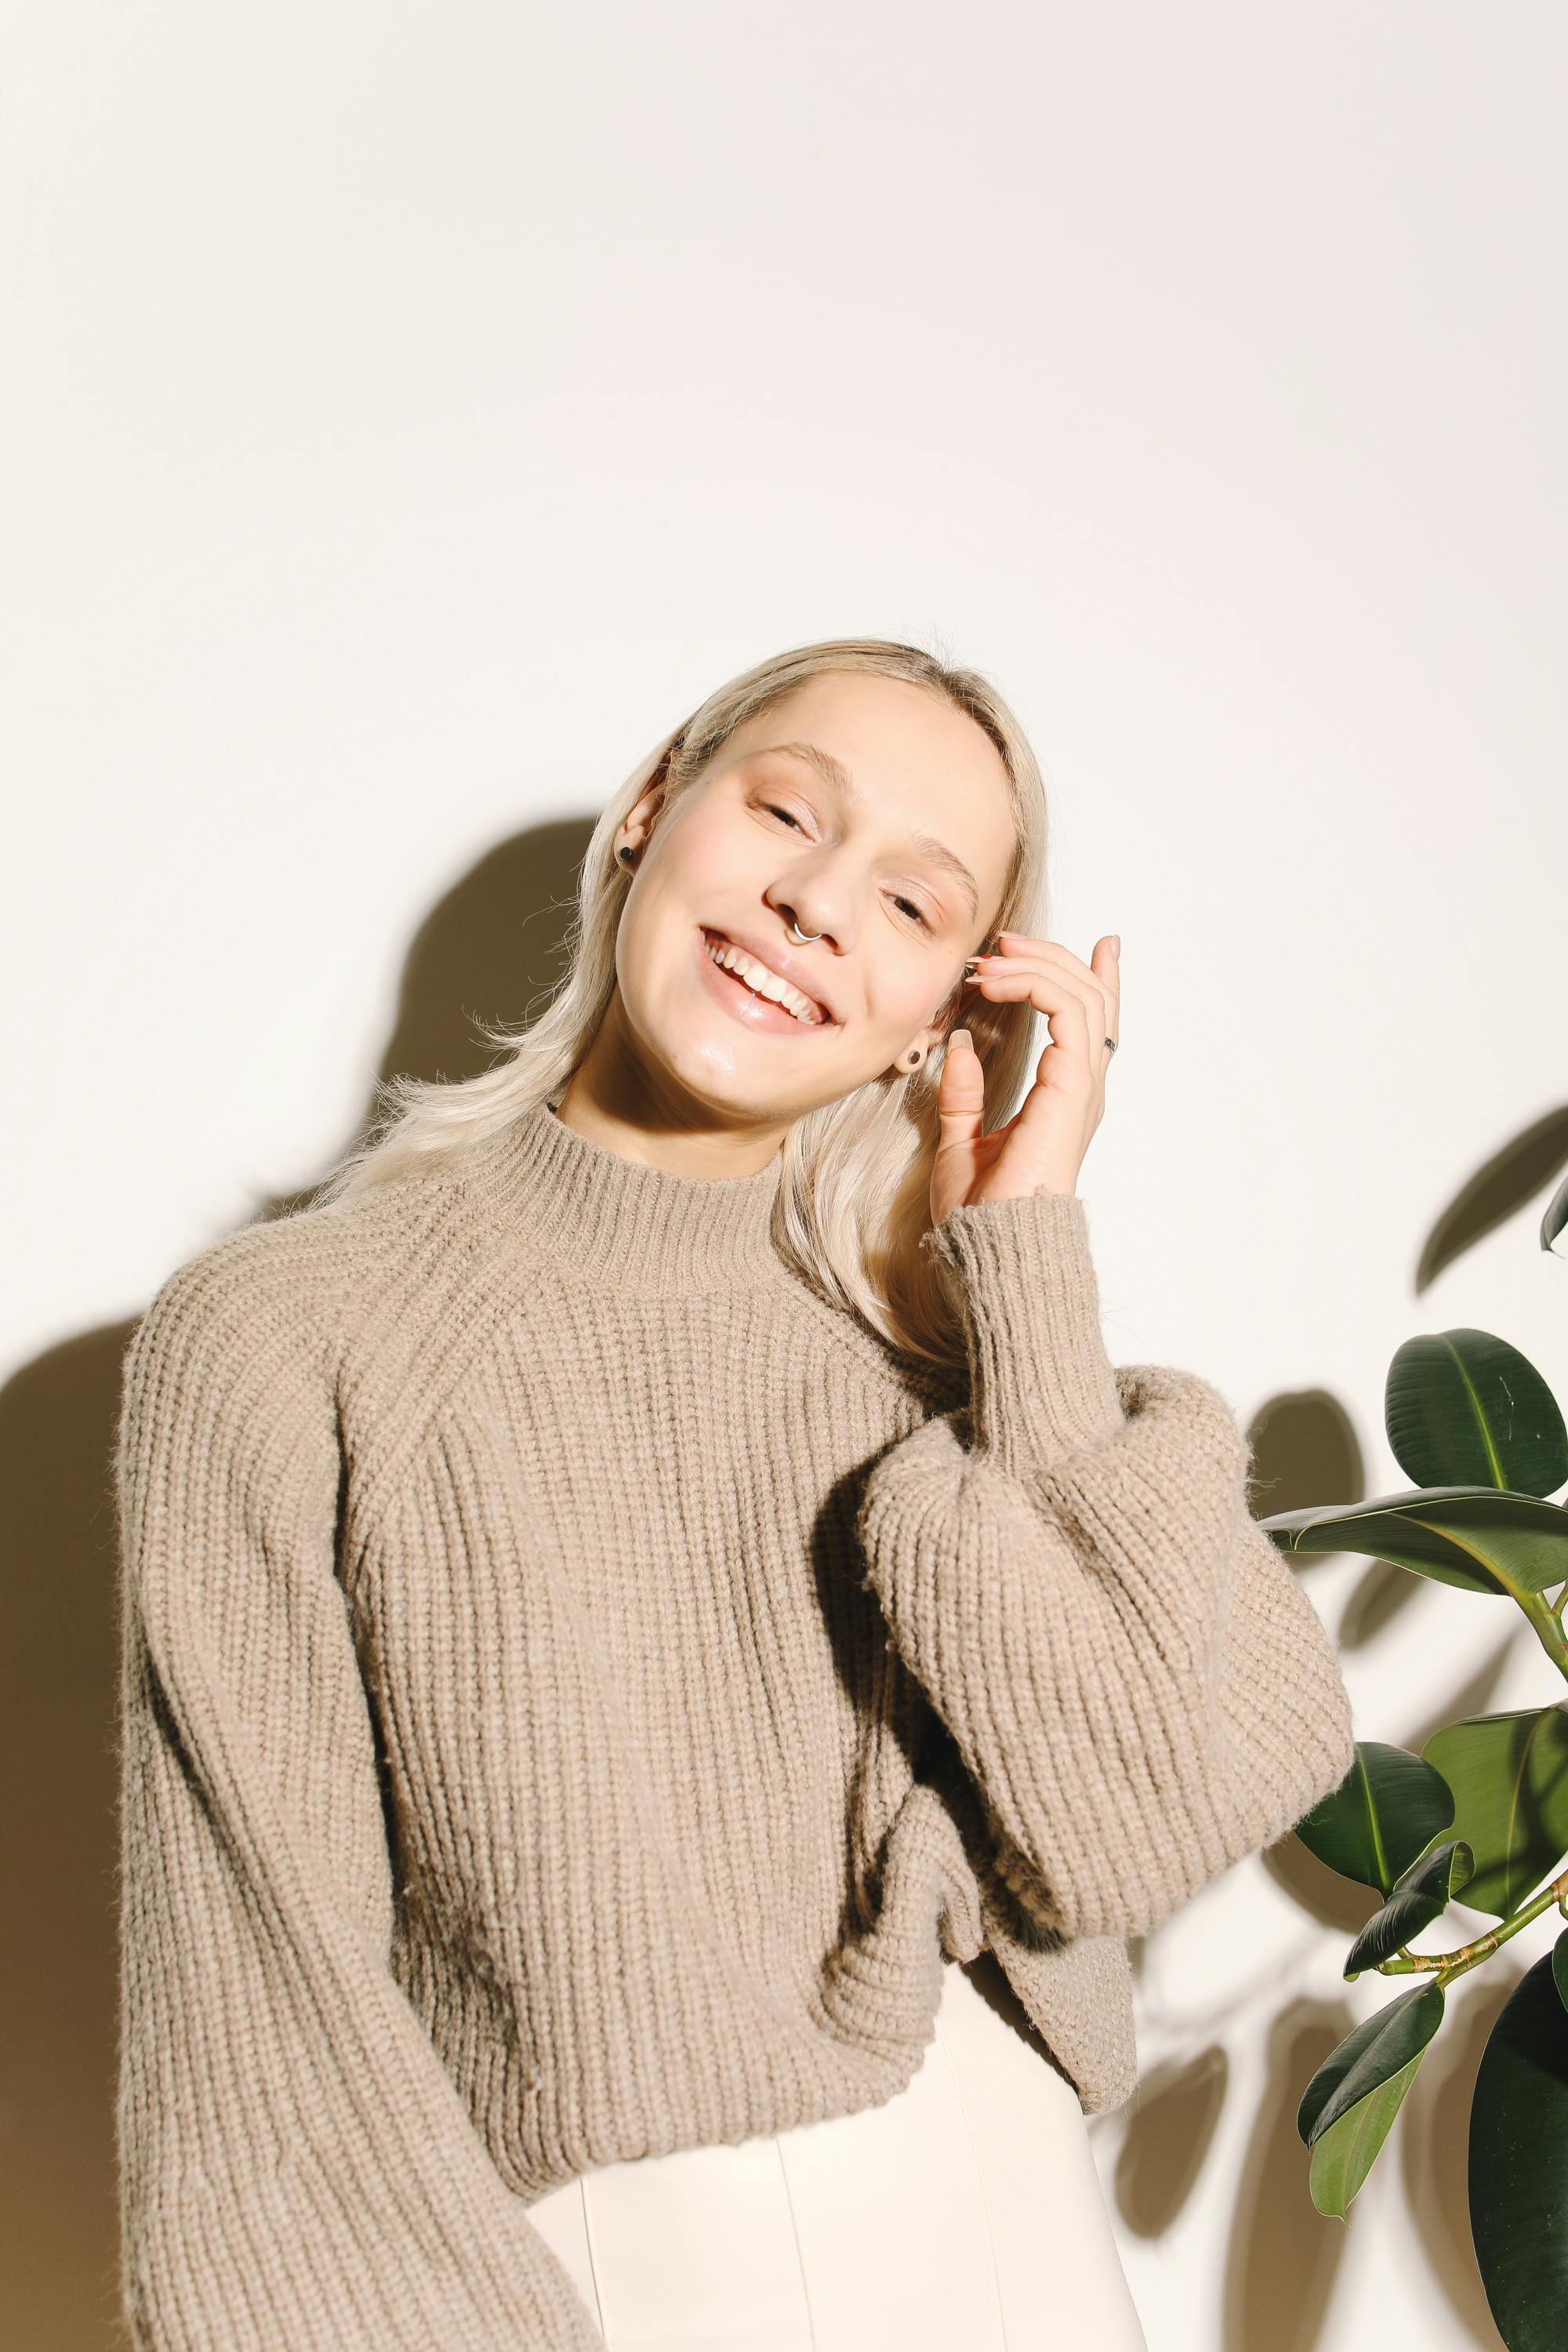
(1136, 1681)
(297, 2166)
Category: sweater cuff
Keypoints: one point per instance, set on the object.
(1041, 1383)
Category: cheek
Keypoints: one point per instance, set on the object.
(703, 863)
(658, 936)
(899, 994)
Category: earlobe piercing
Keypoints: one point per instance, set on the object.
(626, 852)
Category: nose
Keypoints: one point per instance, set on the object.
(807, 920)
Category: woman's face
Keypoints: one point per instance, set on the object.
(867, 810)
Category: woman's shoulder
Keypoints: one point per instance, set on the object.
(295, 1286)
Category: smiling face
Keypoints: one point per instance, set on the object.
(866, 809)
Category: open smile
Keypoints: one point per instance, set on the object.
(750, 989)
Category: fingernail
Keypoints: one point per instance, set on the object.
(972, 965)
(958, 1037)
(1116, 945)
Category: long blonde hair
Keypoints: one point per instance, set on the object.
(855, 1185)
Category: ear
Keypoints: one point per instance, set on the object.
(926, 1040)
(638, 822)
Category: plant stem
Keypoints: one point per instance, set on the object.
(1445, 1965)
(1548, 1625)
(1547, 1619)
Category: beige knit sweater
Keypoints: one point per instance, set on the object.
(578, 1686)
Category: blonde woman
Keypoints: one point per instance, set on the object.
(662, 1661)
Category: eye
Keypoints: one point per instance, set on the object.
(775, 808)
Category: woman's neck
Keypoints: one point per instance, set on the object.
(628, 1225)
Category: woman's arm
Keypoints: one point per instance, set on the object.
(297, 2169)
(1136, 1681)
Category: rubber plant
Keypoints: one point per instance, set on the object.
(1481, 1813)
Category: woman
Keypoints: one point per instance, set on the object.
(663, 1663)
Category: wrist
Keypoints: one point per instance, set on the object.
(1041, 1382)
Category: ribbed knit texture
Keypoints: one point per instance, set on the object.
(577, 1687)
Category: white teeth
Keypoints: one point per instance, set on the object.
(763, 982)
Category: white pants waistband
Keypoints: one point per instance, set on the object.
(965, 2214)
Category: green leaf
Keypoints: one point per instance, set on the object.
(1351, 2102)
(1381, 2046)
(1518, 2164)
(1462, 1406)
(1421, 1895)
(1509, 1775)
(1345, 2154)
(1386, 1812)
(1475, 1536)
(1560, 1966)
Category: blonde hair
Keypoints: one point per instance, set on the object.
(855, 1185)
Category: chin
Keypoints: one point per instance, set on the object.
(747, 1095)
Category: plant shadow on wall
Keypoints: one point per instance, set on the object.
(1474, 1809)
(492, 947)
(490, 950)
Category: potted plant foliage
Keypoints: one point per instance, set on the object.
(1481, 1813)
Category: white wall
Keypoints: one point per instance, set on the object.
(409, 414)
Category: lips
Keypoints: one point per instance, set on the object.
(777, 959)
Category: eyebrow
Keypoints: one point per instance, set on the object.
(835, 773)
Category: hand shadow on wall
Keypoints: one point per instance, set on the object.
(492, 948)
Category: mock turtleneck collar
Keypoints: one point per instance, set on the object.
(619, 1222)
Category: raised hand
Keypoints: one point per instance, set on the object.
(1041, 1148)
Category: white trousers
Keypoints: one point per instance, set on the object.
(962, 2215)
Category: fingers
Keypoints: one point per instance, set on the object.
(1055, 980)
(961, 1090)
(1103, 966)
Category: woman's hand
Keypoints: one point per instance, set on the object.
(1041, 1148)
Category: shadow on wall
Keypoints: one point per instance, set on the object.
(492, 948)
